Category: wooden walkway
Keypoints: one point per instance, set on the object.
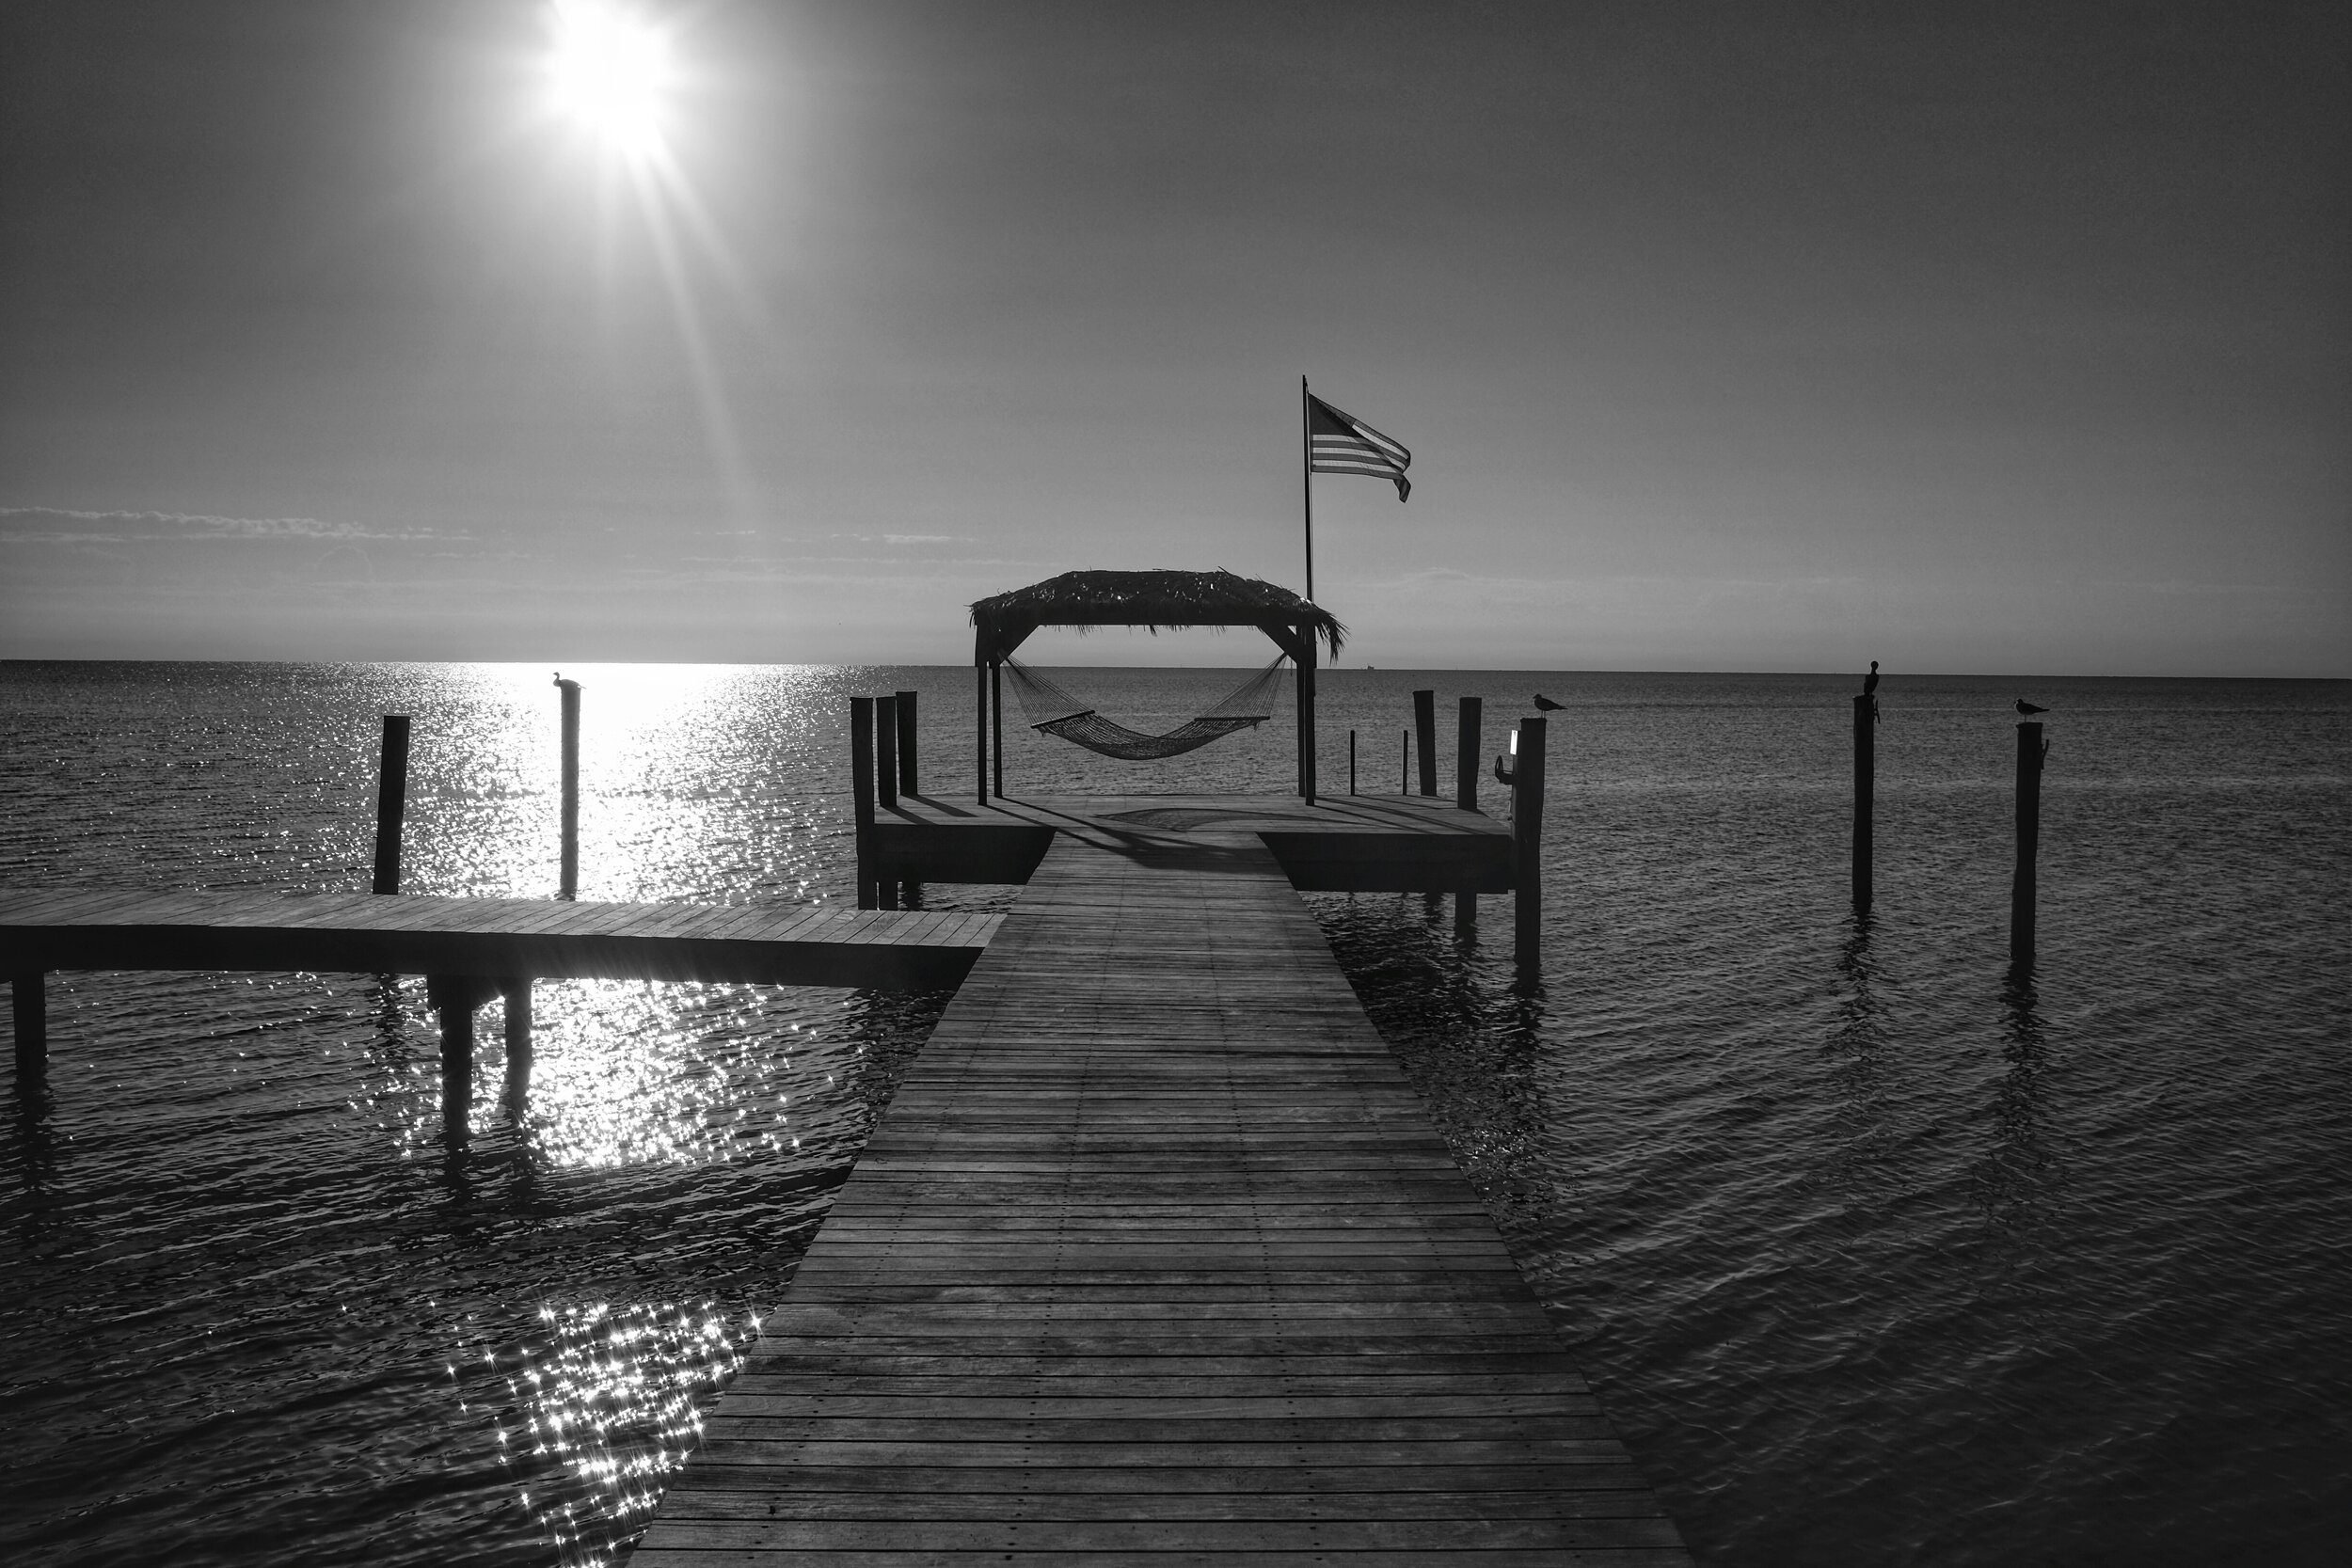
(501, 938)
(1156, 1259)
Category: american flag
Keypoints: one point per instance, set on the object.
(1339, 443)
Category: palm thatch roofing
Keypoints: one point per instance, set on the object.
(1154, 599)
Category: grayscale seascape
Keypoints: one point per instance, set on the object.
(1875, 1253)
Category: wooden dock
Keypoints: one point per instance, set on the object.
(1156, 1260)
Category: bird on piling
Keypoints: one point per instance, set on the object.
(1870, 681)
(2028, 709)
(1546, 704)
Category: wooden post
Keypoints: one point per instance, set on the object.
(979, 728)
(391, 801)
(906, 743)
(885, 791)
(886, 753)
(455, 997)
(1306, 667)
(1403, 762)
(1527, 834)
(1469, 740)
(1426, 739)
(570, 888)
(1351, 762)
(29, 994)
(2031, 750)
(1865, 782)
(862, 795)
(518, 1093)
(996, 718)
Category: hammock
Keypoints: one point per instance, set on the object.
(1252, 702)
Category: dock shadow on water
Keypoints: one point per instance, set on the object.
(279, 1318)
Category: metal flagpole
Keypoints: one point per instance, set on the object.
(1305, 482)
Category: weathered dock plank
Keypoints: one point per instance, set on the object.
(1156, 1260)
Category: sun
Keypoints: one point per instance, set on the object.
(609, 73)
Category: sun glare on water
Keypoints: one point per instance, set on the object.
(609, 73)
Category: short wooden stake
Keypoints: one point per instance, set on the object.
(906, 743)
(2031, 749)
(518, 1093)
(1527, 834)
(570, 888)
(886, 753)
(1426, 738)
(1865, 776)
(1403, 762)
(28, 990)
(862, 795)
(1468, 741)
(1351, 762)
(391, 801)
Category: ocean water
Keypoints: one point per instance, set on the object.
(1878, 1252)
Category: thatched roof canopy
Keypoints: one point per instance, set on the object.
(1154, 599)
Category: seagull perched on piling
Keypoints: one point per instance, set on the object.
(1870, 681)
(1546, 703)
(2028, 709)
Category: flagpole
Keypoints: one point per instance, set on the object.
(1305, 482)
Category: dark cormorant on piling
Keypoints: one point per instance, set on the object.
(1546, 703)
(2028, 709)
(1870, 681)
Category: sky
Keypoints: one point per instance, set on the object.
(1999, 338)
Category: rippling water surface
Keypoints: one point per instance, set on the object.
(1879, 1253)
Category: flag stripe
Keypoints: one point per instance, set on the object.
(1339, 443)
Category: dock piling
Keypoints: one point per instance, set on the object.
(517, 1092)
(570, 689)
(1527, 831)
(1468, 741)
(28, 990)
(455, 997)
(862, 795)
(2031, 749)
(391, 801)
(1426, 739)
(906, 744)
(886, 751)
(1351, 762)
(1864, 775)
(1403, 762)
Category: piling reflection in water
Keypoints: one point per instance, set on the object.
(2018, 1164)
(1854, 1047)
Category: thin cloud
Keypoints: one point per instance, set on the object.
(68, 525)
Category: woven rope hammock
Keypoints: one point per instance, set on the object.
(1077, 722)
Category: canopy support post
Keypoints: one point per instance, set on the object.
(979, 725)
